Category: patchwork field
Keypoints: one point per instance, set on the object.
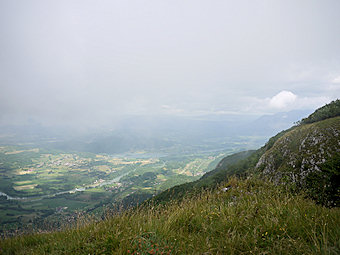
(40, 188)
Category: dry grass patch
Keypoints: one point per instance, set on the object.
(25, 187)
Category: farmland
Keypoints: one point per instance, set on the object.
(40, 187)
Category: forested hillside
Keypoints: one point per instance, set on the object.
(328, 111)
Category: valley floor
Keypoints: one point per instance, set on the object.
(252, 217)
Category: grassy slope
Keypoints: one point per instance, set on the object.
(237, 164)
(231, 165)
(278, 155)
(253, 217)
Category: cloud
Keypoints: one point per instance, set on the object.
(92, 63)
(336, 80)
(311, 102)
(168, 109)
(282, 100)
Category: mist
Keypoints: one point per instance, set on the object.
(90, 64)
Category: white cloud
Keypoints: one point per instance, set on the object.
(336, 80)
(169, 109)
(282, 100)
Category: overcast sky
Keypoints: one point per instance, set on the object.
(90, 61)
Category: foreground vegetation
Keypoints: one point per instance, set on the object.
(252, 217)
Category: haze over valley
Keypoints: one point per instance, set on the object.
(113, 109)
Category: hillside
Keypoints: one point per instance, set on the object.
(253, 217)
(328, 111)
(306, 156)
(239, 164)
(280, 199)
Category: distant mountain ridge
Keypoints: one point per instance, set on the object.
(271, 124)
(154, 133)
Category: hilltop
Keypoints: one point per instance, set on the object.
(280, 199)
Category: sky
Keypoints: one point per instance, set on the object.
(86, 62)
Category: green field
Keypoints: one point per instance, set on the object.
(51, 187)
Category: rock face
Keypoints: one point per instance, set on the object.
(301, 151)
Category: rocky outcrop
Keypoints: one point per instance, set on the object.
(301, 151)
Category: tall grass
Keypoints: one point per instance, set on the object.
(253, 217)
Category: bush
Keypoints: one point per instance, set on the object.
(328, 111)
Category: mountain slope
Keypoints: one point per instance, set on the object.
(306, 156)
(253, 217)
(234, 164)
(239, 164)
(327, 111)
(303, 154)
